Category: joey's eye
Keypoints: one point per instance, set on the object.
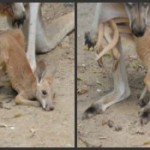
(44, 92)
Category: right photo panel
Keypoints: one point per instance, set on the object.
(113, 79)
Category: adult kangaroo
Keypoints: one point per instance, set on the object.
(137, 13)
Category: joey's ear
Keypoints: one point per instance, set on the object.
(51, 69)
(40, 70)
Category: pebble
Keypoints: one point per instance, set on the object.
(118, 128)
(98, 90)
(110, 123)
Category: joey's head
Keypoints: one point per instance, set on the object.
(45, 93)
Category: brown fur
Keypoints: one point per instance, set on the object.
(106, 30)
(6, 10)
(13, 58)
(29, 86)
(143, 51)
(143, 47)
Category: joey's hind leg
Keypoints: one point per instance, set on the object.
(145, 114)
(143, 100)
(21, 100)
(121, 90)
(145, 111)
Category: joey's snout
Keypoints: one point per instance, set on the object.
(45, 97)
(47, 105)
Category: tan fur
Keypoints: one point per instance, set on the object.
(114, 40)
(143, 47)
(13, 59)
(106, 30)
(143, 51)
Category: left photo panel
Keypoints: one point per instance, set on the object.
(37, 74)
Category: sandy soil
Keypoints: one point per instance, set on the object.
(23, 126)
(95, 132)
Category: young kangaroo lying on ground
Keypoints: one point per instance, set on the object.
(28, 85)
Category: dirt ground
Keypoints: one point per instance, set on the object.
(23, 126)
(95, 82)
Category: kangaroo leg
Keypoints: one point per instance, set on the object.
(145, 114)
(91, 36)
(21, 100)
(142, 101)
(31, 44)
(121, 90)
(49, 36)
(145, 111)
(41, 39)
